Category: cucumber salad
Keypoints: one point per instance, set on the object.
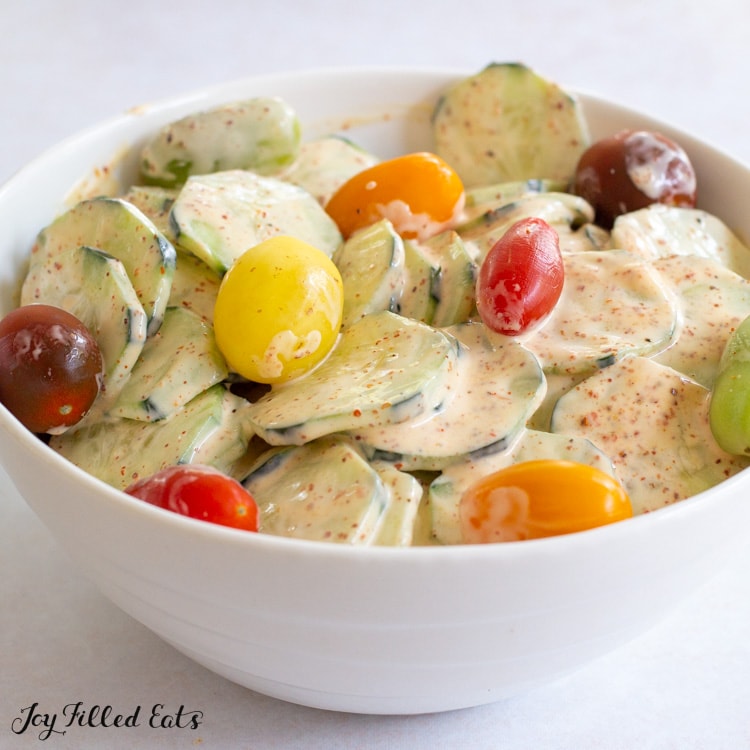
(516, 332)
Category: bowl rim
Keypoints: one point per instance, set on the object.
(227, 535)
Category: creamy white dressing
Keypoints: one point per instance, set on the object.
(419, 225)
(617, 376)
(653, 165)
(493, 391)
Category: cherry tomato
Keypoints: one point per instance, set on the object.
(521, 278)
(542, 498)
(632, 170)
(51, 368)
(278, 310)
(419, 193)
(200, 492)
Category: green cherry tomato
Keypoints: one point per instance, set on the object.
(729, 409)
(278, 310)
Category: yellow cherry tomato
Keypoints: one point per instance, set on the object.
(542, 498)
(419, 193)
(278, 310)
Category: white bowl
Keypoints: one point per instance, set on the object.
(374, 630)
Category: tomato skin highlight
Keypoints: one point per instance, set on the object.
(200, 492)
(521, 278)
(631, 170)
(419, 193)
(541, 498)
(51, 368)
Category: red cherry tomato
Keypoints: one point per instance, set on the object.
(50, 367)
(536, 499)
(632, 170)
(200, 492)
(521, 279)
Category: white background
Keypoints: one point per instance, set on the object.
(67, 65)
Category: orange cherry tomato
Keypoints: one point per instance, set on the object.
(542, 498)
(419, 193)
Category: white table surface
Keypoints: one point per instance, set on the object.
(67, 65)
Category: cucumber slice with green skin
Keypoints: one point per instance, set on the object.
(123, 231)
(586, 238)
(156, 203)
(398, 523)
(662, 418)
(446, 490)
(483, 198)
(261, 134)
(507, 124)
(384, 369)
(561, 210)
(713, 301)
(177, 363)
(454, 286)
(496, 389)
(211, 429)
(94, 287)
(419, 296)
(195, 286)
(660, 231)
(322, 491)
(217, 217)
(613, 303)
(372, 266)
(323, 165)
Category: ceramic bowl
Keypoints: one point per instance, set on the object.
(374, 630)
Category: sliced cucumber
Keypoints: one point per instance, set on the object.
(323, 165)
(446, 490)
(613, 303)
(660, 231)
(195, 286)
(156, 203)
(123, 231)
(261, 134)
(560, 210)
(419, 295)
(384, 369)
(323, 491)
(653, 423)
(453, 287)
(94, 287)
(399, 520)
(507, 124)
(585, 238)
(217, 217)
(176, 364)
(211, 429)
(497, 389)
(372, 266)
(713, 301)
(483, 198)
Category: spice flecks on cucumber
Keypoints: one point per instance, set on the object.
(123, 231)
(507, 123)
(261, 134)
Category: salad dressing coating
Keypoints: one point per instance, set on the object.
(417, 400)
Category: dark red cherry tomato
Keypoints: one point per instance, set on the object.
(632, 170)
(521, 279)
(50, 367)
(200, 492)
